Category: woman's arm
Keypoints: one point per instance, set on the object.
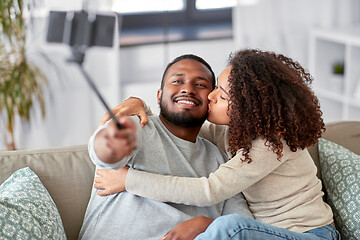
(132, 106)
(228, 180)
(110, 181)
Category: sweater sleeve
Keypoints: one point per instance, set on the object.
(228, 180)
(147, 109)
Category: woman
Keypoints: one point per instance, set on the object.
(272, 117)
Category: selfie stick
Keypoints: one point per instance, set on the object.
(78, 57)
(94, 88)
(81, 30)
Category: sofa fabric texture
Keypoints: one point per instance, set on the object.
(67, 173)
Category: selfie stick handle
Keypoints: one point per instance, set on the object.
(92, 85)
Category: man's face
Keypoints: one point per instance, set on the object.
(184, 97)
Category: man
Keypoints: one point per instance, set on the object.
(168, 144)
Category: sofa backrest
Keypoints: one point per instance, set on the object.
(345, 133)
(67, 173)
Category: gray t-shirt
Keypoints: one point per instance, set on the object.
(127, 216)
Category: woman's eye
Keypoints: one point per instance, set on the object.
(222, 98)
(176, 81)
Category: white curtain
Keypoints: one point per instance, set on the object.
(283, 26)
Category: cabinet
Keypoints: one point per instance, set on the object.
(339, 94)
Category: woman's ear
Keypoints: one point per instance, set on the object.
(159, 93)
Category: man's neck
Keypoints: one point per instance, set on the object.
(186, 133)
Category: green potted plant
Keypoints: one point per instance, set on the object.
(21, 81)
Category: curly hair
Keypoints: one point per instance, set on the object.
(270, 97)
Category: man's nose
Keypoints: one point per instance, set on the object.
(188, 88)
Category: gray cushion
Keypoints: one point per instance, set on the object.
(340, 170)
(27, 210)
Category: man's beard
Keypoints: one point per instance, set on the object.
(183, 119)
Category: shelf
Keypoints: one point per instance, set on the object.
(354, 102)
(336, 93)
(349, 35)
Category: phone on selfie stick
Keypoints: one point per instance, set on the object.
(81, 30)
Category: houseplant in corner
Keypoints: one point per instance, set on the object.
(21, 82)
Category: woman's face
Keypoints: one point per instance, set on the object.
(219, 100)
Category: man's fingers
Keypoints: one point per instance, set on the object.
(127, 122)
(126, 147)
(104, 119)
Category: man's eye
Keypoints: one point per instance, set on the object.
(176, 81)
(201, 85)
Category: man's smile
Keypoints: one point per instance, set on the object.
(185, 100)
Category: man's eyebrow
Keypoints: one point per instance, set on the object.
(224, 91)
(178, 74)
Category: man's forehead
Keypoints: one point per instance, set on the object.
(181, 67)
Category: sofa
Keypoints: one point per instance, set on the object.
(67, 173)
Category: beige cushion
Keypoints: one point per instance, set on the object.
(67, 174)
(346, 134)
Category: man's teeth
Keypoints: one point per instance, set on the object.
(186, 102)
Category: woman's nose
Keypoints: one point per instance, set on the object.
(211, 95)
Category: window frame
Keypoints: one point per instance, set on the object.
(188, 17)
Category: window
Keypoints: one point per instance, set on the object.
(179, 20)
(142, 6)
(214, 4)
(146, 6)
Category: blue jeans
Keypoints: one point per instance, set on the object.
(236, 226)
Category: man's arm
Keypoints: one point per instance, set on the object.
(110, 145)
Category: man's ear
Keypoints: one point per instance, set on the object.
(159, 93)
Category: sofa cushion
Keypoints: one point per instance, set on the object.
(27, 210)
(340, 170)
